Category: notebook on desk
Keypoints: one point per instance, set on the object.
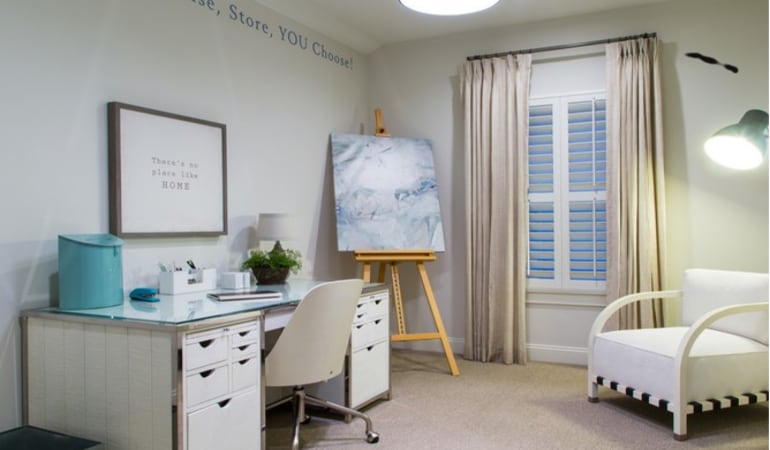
(252, 294)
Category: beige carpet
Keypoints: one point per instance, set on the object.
(493, 406)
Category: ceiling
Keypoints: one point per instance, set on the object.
(365, 25)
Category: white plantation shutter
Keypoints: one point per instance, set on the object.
(541, 192)
(567, 192)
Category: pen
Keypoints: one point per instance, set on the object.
(191, 264)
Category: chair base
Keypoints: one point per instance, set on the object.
(300, 399)
(693, 407)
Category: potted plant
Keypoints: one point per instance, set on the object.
(273, 267)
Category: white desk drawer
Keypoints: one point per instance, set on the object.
(206, 385)
(232, 424)
(244, 373)
(371, 306)
(243, 351)
(369, 372)
(203, 349)
(247, 333)
(367, 333)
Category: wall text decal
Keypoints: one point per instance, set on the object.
(237, 15)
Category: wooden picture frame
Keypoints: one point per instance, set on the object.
(167, 173)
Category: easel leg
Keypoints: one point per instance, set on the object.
(398, 302)
(450, 357)
(381, 272)
(367, 275)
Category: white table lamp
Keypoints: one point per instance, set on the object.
(276, 226)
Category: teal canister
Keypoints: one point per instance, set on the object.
(90, 271)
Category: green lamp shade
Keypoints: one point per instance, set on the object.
(743, 145)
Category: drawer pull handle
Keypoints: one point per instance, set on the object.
(206, 343)
(369, 348)
(358, 316)
(206, 373)
(244, 333)
(377, 302)
(243, 362)
(244, 347)
(358, 327)
(224, 403)
(376, 322)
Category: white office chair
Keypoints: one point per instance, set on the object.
(716, 359)
(312, 349)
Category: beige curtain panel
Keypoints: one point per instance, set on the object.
(495, 93)
(635, 188)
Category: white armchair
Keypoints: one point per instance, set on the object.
(716, 359)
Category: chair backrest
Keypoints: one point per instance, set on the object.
(704, 290)
(312, 346)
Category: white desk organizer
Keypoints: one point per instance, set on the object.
(184, 281)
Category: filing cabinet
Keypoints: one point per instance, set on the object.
(367, 375)
(221, 383)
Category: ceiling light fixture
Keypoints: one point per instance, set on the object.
(743, 145)
(448, 7)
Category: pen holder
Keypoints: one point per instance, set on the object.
(184, 281)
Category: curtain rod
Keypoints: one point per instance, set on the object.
(563, 46)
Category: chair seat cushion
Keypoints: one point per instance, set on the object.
(721, 363)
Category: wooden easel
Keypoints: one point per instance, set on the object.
(392, 258)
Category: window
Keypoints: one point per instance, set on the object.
(567, 193)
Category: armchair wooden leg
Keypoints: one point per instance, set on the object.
(593, 392)
(680, 425)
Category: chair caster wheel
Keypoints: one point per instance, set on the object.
(372, 437)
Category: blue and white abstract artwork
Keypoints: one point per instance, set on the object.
(386, 194)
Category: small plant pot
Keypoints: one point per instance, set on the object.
(266, 275)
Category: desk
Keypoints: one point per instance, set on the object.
(177, 374)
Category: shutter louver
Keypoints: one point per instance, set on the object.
(541, 188)
(587, 190)
(541, 241)
(540, 151)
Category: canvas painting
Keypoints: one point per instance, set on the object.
(386, 194)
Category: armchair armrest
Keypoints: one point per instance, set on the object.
(612, 308)
(688, 340)
(601, 321)
(695, 330)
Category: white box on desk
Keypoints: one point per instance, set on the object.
(236, 280)
(184, 281)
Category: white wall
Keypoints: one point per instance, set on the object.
(63, 61)
(716, 218)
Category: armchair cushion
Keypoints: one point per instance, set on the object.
(718, 361)
(704, 290)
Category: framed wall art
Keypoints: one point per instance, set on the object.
(167, 173)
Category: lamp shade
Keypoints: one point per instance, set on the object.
(742, 145)
(448, 7)
(274, 226)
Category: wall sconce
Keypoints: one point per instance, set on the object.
(448, 7)
(742, 145)
(274, 226)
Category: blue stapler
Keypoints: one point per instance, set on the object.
(144, 294)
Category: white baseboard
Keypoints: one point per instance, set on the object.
(559, 354)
